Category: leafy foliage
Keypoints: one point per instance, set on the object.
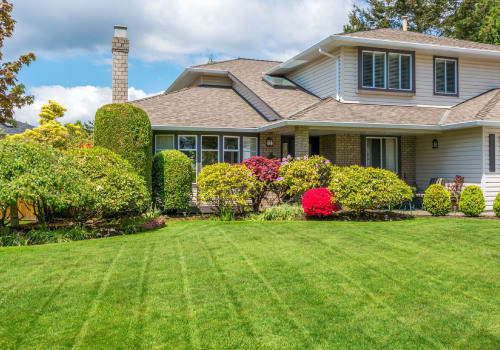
(12, 94)
(282, 212)
(496, 205)
(126, 130)
(226, 187)
(297, 175)
(319, 202)
(472, 201)
(362, 189)
(267, 171)
(437, 200)
(172, 180)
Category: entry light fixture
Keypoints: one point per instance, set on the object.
(269, 142)
(435, 143)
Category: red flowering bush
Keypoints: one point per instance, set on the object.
(319, 202)
(266, 171)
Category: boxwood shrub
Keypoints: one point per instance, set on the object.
(126, 130)
(437, 200)
(472, 201)
(496, 205)
(172, 180)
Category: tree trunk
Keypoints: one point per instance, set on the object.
(14, 215)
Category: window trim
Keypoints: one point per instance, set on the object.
(457, 87)
(398, 148)
(386, 89)
(156, 143)
(237, 151)
(243, 148)
(209, 150)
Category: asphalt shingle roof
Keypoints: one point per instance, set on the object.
(19, 129)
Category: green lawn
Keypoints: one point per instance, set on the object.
(418, 284)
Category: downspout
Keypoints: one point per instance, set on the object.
(337, 59)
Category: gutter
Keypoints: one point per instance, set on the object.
(337, 61)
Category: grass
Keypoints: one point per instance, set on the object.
(419, 284)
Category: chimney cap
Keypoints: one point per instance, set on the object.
(120, 31)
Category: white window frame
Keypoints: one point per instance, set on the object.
(373, 70)
(256, 146)
(166, 149)
(399, 71)
(224, 150)
(445, 92)
(381, 150)
(210, 150)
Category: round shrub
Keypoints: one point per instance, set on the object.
(437, 200)
(472, 201)
(496, 205)
(319, 202)
(297, 175)
(226, 187)
(116, 189)
(126, 130)
(361, 189)
(267, 171)
(172, 180)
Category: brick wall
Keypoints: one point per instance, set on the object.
(301, 141)
(275, 149)
(408, 158)
(348, 149)
(328, 147)
(120, 48)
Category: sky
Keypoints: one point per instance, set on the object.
(72, 42)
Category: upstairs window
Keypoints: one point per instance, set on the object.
(374, 69)
(445, 76)
(400, 66)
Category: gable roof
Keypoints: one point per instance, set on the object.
(485, 107)
(12, 130)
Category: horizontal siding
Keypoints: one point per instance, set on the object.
(475, 77)
(215, 80)
(458, 153)
(319, 77)
(491, 180)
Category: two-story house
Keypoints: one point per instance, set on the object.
(416, 104)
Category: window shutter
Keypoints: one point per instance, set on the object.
(492, 153)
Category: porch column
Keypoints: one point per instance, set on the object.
(408, 159)
(301, 141)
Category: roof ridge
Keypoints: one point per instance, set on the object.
(488, 106)
(309, 108)
(235, 59)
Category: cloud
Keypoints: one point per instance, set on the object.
(176, 30)
(81, 101)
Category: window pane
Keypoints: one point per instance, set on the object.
(379, 78)
(187, 142)
(440, 73)
(249, 147)
(393, 71)
(209, 157)
(164, 142)
(367, 69)
(405, 72)
(231, 143)
(373, 158)
(231, 157)
(209, 142)
(450, 77)
(389, 154)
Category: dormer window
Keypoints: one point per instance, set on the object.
(386, 70)
(446, 76)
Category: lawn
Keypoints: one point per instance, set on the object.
(418, 284)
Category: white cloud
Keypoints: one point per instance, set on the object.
(81, 101)
(176, 30)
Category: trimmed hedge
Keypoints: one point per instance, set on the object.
(437, 200)
(126, 130)
(472, 201)
(496, 205)
(172, 180)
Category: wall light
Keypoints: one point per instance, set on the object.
(435, 143)
(269, 142)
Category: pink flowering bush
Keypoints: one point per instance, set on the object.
(297, 175)
(154, 223)
(319, 202)
(267, 171)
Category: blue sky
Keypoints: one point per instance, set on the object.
(72, 40)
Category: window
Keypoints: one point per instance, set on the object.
(231, 149)
(187, 145)
(446, 76)
(164, 142)
(279, 82)
(382, 152)
(400, 67)
(373, 69)
(209, 150)
(249, 147)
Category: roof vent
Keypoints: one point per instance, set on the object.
(405, 23)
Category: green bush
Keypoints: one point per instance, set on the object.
(496, 205)
(283, 212)
(172, 180)
(437, 200)
(116, 188)
(126, 130)
(226, 187)
(472, 201)
(361, 189)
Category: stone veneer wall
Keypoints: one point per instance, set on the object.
(348, 149)
(408, 159)
(120, 48)
(328, 147)
(301, 141)
(275, 149)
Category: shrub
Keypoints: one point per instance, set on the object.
(361, 189)
(297, 175)
(267, 171)
(437, 200)
(472, 201)
(172, 180)
(116, 189)
(282, 212)
(496, 205)
(226, 187)
(154, 223)
(319, 202)
(126, 130)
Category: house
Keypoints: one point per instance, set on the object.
(416, 104)
(12, 130)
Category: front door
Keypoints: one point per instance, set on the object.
(287, 146)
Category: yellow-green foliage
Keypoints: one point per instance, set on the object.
(126, 130)
(437, 200)
(361, 189)
(297, 175)
(496, 205)
(472, 201)
(172, 180)
(226, 187)
(51, 131)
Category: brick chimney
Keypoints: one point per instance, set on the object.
(120, 47)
